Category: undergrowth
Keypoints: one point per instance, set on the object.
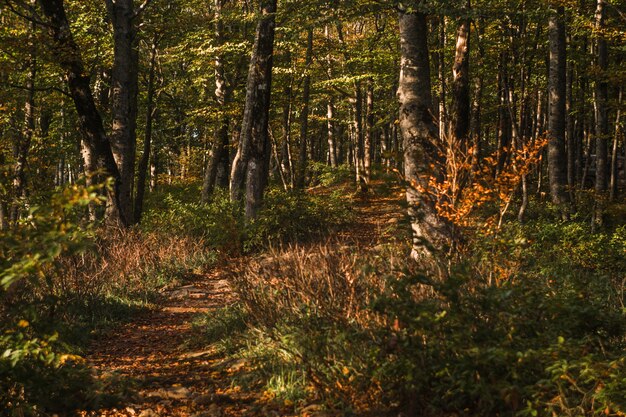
(531, 325)
(61, 280)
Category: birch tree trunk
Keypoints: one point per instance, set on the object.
(304, 115)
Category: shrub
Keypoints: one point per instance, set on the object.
(217, 223)
(295, 217)
(37, 372)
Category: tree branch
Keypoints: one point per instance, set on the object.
(141, 8)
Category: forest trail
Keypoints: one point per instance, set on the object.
(167, 378)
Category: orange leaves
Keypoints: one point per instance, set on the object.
(467, 187)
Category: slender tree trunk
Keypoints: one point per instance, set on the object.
(219, 158)
(124, 80)
(504, 118)
(22, 147)
(330, 106)
(431, 234)
(476, 113)
(601, 111)
(614, 169)
(443, 111)
(557, 168)
(285, 153)
(251, 164)
(332, 143)
(304, 115)
(357, 137)
(570, 133)
(91, 124)
(142, 169)
(369, 131)
(460, 114)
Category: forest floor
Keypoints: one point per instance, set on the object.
(166, 377)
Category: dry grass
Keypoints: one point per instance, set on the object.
(127, 263)
(327, 280)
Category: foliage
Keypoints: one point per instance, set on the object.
(294, 217)
(217, 223)
(369, 332)
(61, 281)
(37, 372)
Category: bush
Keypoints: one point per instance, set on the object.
(295, 217)
(37, 372)
(217, 223)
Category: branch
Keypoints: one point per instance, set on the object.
(42, 89)
(141, 8)
(34, 17)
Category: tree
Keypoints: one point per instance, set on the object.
(431, 233)
(91, 124)
(219, 151)
(251, 163)
(557, 162)
(460, 111)
(124, 89)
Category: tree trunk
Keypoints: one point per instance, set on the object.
(601, 93)
(91, 125)
(460, 117)
(22, 147)
(369, 131)
(251, 164)
(601, 102)
(614, 168)
(330, 106)
(557, 169)
(124, 81)
(304, 115)
(431, 234)
(219, 152)
(357, 137)
(142, 169)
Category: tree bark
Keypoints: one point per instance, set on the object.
(601, 93)
(431, 234)
(369, 132)
(330, 106)
(124, 83)
(91, 125)
(251, 164)
(219, 153)
(460, 114)
(557, 168)
(304, 115)
(142, 169)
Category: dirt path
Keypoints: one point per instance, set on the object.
(171, 380)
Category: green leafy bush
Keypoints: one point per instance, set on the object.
(217, 222)
(38, 373)
(295, 217)
(326, 176)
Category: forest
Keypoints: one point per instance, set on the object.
(318, 208)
